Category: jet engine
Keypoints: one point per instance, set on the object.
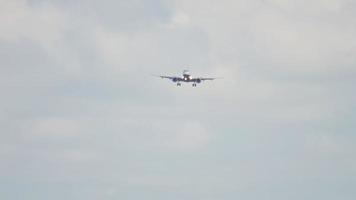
(198, 80)
(174, 79)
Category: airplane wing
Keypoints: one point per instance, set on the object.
(204, 79)
(174, 78)
(207, 79)
(168, 77)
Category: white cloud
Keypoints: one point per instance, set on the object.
(53, 129)
(312, 7)
(78, 97)
(190, 136)
(18, 20)
(179, 19)
(280, 39)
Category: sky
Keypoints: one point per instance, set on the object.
(82, 117)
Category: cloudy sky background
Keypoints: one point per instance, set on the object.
(81, 117)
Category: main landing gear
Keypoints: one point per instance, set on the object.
(194, 84)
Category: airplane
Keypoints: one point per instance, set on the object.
(187, 78)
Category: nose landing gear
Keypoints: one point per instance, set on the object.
(178, 84)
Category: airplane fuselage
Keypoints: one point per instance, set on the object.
(187, 77)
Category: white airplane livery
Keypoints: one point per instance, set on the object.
(187, 78)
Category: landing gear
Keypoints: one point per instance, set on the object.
(178, 84)
(194, 85)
